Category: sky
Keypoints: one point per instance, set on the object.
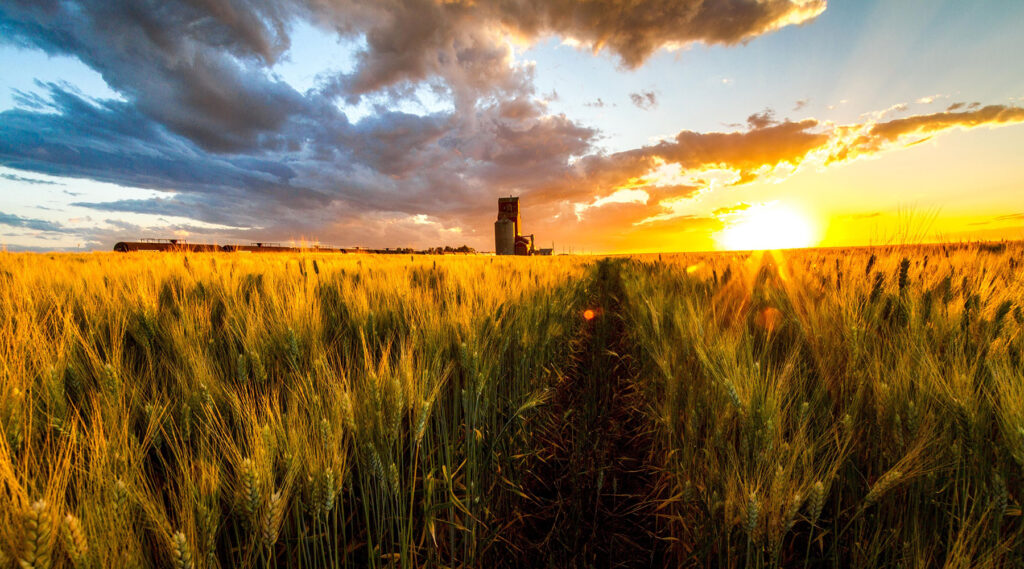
(623, 125)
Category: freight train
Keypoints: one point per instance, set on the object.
(180, 245)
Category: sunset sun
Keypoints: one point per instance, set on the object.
(767, 227)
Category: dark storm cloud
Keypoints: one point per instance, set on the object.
(112, 141)
(29, 223)
(187, 65)
(409, 40)
(634, 30)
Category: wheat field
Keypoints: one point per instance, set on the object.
(814, 408)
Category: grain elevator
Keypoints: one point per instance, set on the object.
(508, 238)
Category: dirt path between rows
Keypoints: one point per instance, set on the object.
(592, 480)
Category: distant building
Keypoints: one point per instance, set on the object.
(508, 237)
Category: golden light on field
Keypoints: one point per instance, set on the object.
(767, 227)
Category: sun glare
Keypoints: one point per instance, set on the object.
(767, 227)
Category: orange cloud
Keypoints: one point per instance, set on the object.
(767, 145)
(881, 134)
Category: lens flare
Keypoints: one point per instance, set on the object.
(767, 227)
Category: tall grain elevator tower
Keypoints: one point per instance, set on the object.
(507, 237)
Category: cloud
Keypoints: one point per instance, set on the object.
(800, 104)
(204, 60)
(873, 137)
(731, 209)
(929, 99)
(442, 165)
(192, 67)
(681, 167)
(409, 40)
(634, 30)
(645, 100)
(29, 223)
(1010, 217)
(114, 142)
(25, 180)
(763, 119)
(769, 143)
(692, 162)
(597, 103)
(763, 145)
(990, 115)
(205, 121)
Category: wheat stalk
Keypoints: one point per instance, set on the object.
(791, 512)
(208, 524)
(181, 555)
(272, 516)
(249, 490)
(327, 491)
(999, 497)
(74, 541)
(37, 549)
(816, 501)
(883, 485)
(753, 509)
(347, 412)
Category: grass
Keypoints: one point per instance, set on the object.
(856, 408)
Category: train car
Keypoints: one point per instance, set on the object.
(260, 247)
(172, 245)
(164, 245)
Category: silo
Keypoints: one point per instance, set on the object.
(508, 208)
(504, 237)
